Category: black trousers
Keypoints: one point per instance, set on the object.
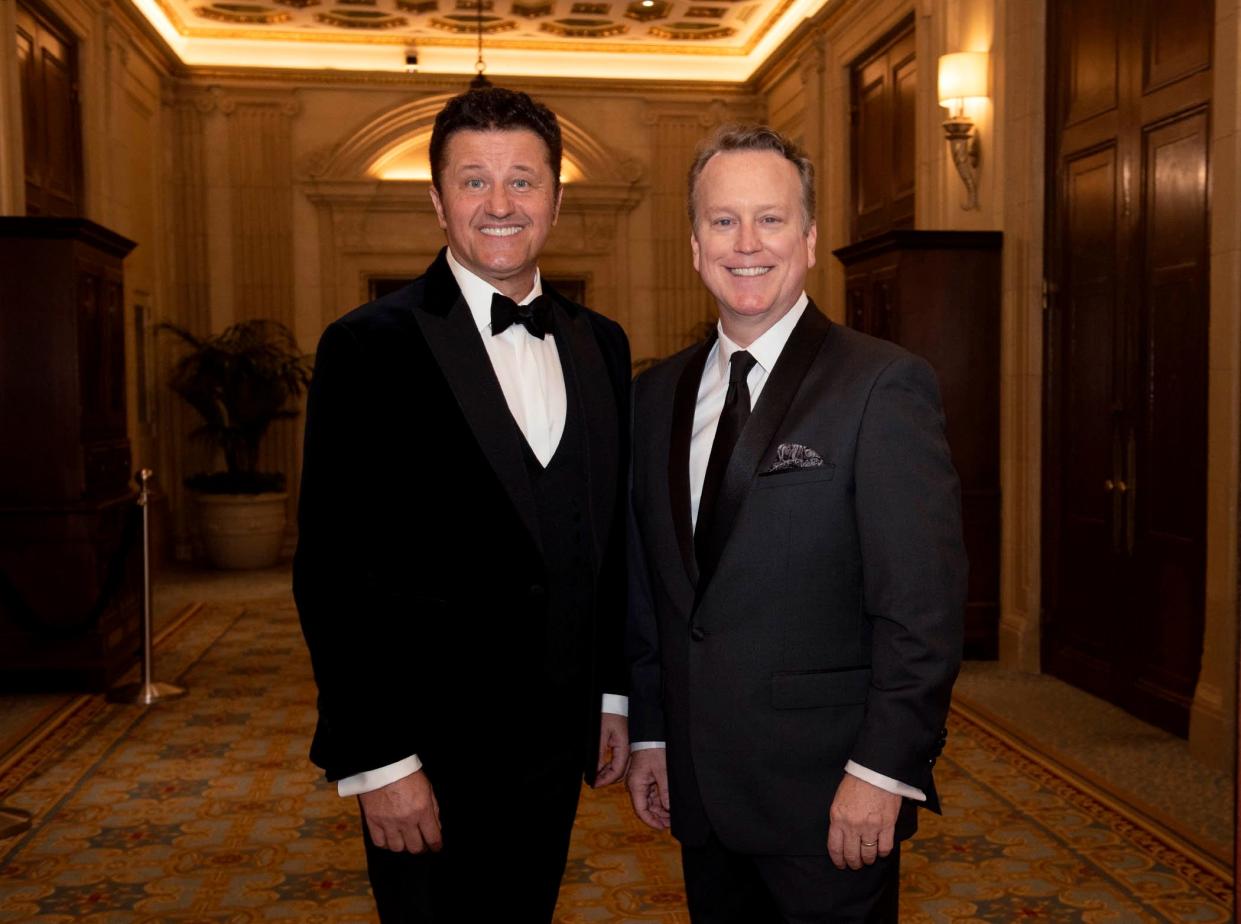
(505, 846)
(725, 887)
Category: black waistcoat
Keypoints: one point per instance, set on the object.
(562, 500)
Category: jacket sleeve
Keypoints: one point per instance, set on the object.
(646, 710)
(613, 676)
(908, 509)
(344, 617)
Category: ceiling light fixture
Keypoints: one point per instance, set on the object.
(480, 81)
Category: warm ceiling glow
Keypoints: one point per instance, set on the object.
(320, 51)
(410, 160)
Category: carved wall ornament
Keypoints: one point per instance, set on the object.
(581, 27)
(248, 13)
(361, 19)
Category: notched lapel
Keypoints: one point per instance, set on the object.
(773, 404)
(684, 403)
(596, 404)
(448, 327)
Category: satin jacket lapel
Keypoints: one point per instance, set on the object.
(597, 405)
(773, 403)
(454, 340)
(684, 403)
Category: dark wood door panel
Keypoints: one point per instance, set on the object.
(51, 135)
(883, 88)
(1176, 41)
(1125, 431)
(1090, 58)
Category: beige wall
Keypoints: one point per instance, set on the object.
(807, 95)
(123, 74)
(278, 214)
(248, 195)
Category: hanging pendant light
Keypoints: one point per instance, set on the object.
(480, 81)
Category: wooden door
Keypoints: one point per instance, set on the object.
(1125, 421)
(883, 86)
(47, 64)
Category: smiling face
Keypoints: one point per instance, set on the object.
(497, 203)
(751, 243)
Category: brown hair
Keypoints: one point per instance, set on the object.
(495, 109)
(738, 137)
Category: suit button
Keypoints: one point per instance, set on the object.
(697, 633)
(537, 592)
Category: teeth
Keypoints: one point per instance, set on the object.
(750, 270)
(507, 231)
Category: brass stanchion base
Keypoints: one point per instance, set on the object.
(13, 821)
(145, 693)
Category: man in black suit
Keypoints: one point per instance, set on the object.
(460, 564)
(797, 573)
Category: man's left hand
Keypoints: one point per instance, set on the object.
(863, 823)
(613, 749)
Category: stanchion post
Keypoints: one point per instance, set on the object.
(148, 690)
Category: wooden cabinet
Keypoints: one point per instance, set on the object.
(937, 293)
(70, 555)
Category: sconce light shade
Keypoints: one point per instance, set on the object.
(962, 75)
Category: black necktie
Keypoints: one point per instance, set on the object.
(732, 418)
(534, 317)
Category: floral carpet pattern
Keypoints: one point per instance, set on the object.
(205, 809)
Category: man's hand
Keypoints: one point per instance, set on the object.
(862, 814)
(613, 749)
(404, 816)
(648, 787)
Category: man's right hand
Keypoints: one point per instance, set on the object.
(404, 816)
(648, 787)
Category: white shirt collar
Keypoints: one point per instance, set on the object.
(477, 292)
(768, 347)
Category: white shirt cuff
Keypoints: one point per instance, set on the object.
(616, 704)
(646, 745)
(883, 782)
(370, 780)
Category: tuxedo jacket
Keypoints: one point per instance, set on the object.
(828, 627)
(418, 576)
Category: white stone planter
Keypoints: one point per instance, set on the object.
(242, 531)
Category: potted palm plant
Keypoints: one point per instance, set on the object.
(240, 381)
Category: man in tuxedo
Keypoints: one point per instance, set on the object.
(460, 565)
(797, 573)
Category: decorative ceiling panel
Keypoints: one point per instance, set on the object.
(634, 39)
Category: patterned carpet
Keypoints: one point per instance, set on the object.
(206, 810)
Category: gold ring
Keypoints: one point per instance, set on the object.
(871, 844)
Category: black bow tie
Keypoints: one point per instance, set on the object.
(534, 317)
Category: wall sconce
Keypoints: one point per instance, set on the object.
(963, 76)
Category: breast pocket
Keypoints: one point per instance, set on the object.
(784, 479)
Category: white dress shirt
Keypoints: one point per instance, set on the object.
(711, 393)
(532, 381)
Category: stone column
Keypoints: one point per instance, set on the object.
(1213, 715)
(261, 170)
(682, 304)
(190, 288)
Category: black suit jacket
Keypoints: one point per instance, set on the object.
(830, 626)
(418, 576)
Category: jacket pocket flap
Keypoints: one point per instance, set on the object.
(791, 476)
(808, 689)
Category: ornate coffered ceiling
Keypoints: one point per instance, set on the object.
(716, 40)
